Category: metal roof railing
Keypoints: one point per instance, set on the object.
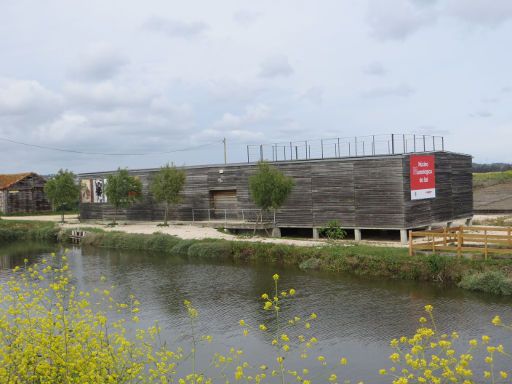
(374, 145)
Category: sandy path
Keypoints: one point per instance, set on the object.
(193, 232)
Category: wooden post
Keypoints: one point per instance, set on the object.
(339, 148)
(248, 158)
(411, 251)
(433, 244)
(508, 234)
(444, 236)
(485, 248)
(459, 242)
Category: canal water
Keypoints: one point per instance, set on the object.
(357, 317)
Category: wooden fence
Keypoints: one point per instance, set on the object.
(457, 240)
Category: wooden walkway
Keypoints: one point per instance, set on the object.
(459, 240)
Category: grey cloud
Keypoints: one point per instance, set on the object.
(275, 66)
(506, 89)
(106, 95)
(375, 69)
(313, 95)
(490, 100)
(246, 17)
(252, 115)
(481, 12)
(398, 19)
(176, 28)
(402, 90)
(483, 114)
(18, 97)
(100, 62)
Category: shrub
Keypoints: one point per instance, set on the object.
(495, 282)
(333, 231)
(437, 265)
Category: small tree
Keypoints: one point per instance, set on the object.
(166, 187)
(122, 190)
(269, 188)
(62, 191)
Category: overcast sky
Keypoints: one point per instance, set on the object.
(155, 76)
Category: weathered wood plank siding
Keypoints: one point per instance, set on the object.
(26, 195)
(454, 192)
(366, 192)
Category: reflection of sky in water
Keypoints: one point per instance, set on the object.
(356, 317)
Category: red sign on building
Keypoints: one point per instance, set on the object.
(423, 177)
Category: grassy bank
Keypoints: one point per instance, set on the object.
(487, 179)
(493, 276)
(14, 230)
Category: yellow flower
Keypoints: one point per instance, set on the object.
(263, 327)
(496, 320)
(343, 361)
(242, 323)
(429, 308)
(292, 292)
(275, 277)
(264, 296)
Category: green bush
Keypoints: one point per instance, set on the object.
(495, 282)
(210, 250)
(437, 265)
(333, 231)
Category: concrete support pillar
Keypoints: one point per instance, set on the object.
(469, 221)
(357, 234)
(429, 228)
(449, 224)
(276, 232)
(316, 235)
(404, 239)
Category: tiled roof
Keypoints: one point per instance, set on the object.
(7, 180)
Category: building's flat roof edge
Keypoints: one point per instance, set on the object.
(351, 158)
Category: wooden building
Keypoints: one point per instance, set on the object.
(22, 193)
(365, 192)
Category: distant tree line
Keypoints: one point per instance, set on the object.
(492, 167)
